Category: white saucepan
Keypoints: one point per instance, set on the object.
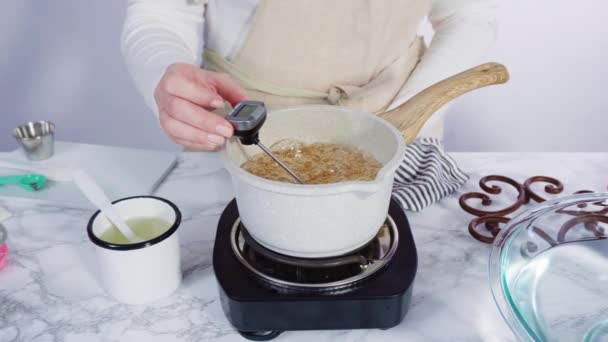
(316, 221)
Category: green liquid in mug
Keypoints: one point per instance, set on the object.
(146, 228)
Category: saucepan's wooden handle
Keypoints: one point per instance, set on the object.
(411, 116)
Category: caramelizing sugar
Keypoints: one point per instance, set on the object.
(318, 163)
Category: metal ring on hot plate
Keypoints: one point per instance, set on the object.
(302, 262)
(372, 267)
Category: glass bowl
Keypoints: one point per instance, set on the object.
(549, 270)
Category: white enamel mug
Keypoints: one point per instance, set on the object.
(140, 272)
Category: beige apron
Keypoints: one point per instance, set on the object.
(354, 53)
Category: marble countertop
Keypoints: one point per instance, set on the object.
(49, 291)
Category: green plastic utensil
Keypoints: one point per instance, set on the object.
(31, 182)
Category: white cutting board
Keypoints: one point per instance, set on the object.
(120, 171)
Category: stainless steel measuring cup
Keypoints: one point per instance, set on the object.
(37, 139)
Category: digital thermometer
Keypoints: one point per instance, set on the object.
(247, 118)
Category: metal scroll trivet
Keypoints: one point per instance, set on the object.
(492, 220)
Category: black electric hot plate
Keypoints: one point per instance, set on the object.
(264, 293)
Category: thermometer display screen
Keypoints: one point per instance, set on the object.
(246, 111)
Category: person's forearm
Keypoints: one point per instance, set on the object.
(464, 30)
(156, 34)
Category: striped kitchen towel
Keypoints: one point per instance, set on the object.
(426, 175)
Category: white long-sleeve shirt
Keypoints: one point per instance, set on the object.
(158, 33)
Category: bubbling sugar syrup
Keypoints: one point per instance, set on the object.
(316, 163)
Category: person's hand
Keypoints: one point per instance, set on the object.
(185, 97)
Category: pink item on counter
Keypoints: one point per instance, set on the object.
(3, 256)
(3, 247)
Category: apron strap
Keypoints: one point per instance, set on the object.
(219, 63)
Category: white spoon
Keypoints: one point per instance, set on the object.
(96, 195)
